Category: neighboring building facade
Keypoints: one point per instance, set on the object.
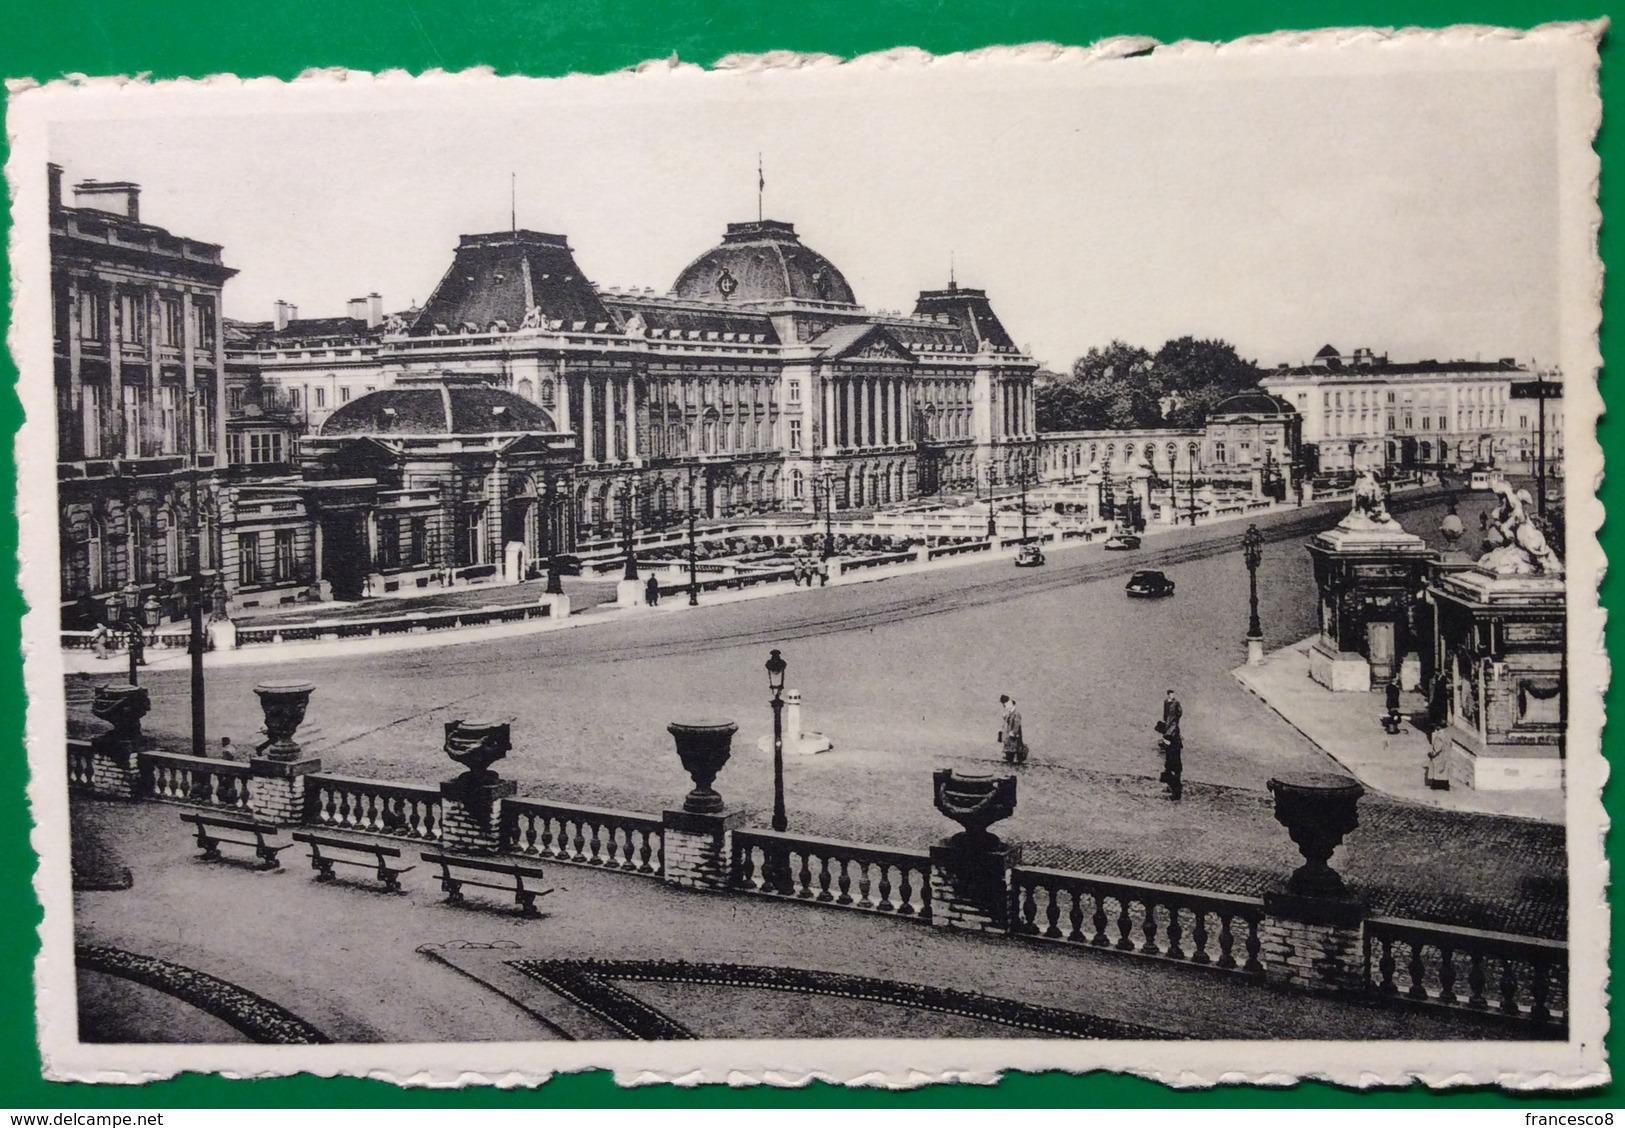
(139, 374)
(1365, 410)
(1530, 400)
(756, 384)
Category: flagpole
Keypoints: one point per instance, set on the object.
(761, 185)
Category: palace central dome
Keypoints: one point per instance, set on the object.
(437, 405)
(764, 261)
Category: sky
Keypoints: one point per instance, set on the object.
(1280, 207)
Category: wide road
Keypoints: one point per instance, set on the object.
(904, 675)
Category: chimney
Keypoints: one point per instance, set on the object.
(54, 172)
(285, 312)
(116, 197)
(356, 308)
(375, 310)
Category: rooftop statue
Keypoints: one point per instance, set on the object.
(533, 318)
(1369, 507)
(1517, 538)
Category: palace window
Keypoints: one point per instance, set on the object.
(321, 397)
(132, 315)
(344, 394)
(795, 435)
(92, 315)
(795, 391)
(248, 558)
(284, 555)
(418, 551)
(389, 541)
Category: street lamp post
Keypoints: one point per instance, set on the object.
(992, 513)
(195, 642)
(1190, 465)
(629, 503)
(553, 531)
(1252, 547)
(776, 665)
(1540, 452)
(131, 593)
(828, 478)
(1026, 468)
(693, 571)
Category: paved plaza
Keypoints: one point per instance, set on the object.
(903, 674)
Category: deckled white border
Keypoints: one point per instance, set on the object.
(1569, 48)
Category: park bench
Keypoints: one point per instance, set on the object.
(209, 838)
(326, 851)
(518, 872)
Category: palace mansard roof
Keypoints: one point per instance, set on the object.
(437, 405)
(764, 261)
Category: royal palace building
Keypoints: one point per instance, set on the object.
(755, 384)
(139, 369)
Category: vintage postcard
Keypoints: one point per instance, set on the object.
(884, 570)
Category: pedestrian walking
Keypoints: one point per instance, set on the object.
(651, 592)
(1172, 746)
(98, 639)
(1010, 735)
(823, 573)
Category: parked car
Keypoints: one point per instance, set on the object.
(1149, 585)
(568, 564)
(1118, 541)
(1029, 556)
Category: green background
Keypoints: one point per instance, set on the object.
(44, 40)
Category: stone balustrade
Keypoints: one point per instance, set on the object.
(1521, 977)
(828, 871)
(195, 780)
(371, 806)
(587, 836)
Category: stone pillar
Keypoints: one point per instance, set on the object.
(471, 813)
(696, 848)
(115, 763)
(828, 436)
(1313, 943)
(631, 418)
(697, 839)
(276, 789)
(588, 451)
(1312, 937)
(970, 883)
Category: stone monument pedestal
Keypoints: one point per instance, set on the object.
(970, 882)
(1502, 640)
(1368, 573)
(629, 593)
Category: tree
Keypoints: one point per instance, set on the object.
(1122, 386)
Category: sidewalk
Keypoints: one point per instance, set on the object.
(1346, 727)
(360, 964)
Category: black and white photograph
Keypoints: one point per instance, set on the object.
(885, 570)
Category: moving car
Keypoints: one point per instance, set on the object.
(1149, 585)
(1029, 556)
(1122, 541)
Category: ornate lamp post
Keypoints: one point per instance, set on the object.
(1024, 471)
(1190, 465)
(130, 595)
(992, 513)
(776, 665)
(693, 571)
(195, 641)
(1252, 547)
(554, 527)
(629, 498)
(828, 479)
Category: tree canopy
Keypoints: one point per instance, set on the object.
(1123, 386)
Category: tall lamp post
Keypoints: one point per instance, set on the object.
(1540, 450)
(828, 479)
(992, 513)
(133, 628)
(1252, 547)
(1190, 465)
(776, 665)
(1026, 469)
(629, 498)
(195, 642)
(693, 571)
(554, 533)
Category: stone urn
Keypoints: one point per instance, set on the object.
(476, 745)
(121, 706)
(975, 802)
(284, 705)
(703, 746)
(1317, 811)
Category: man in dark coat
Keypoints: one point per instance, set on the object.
(1173, 746)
